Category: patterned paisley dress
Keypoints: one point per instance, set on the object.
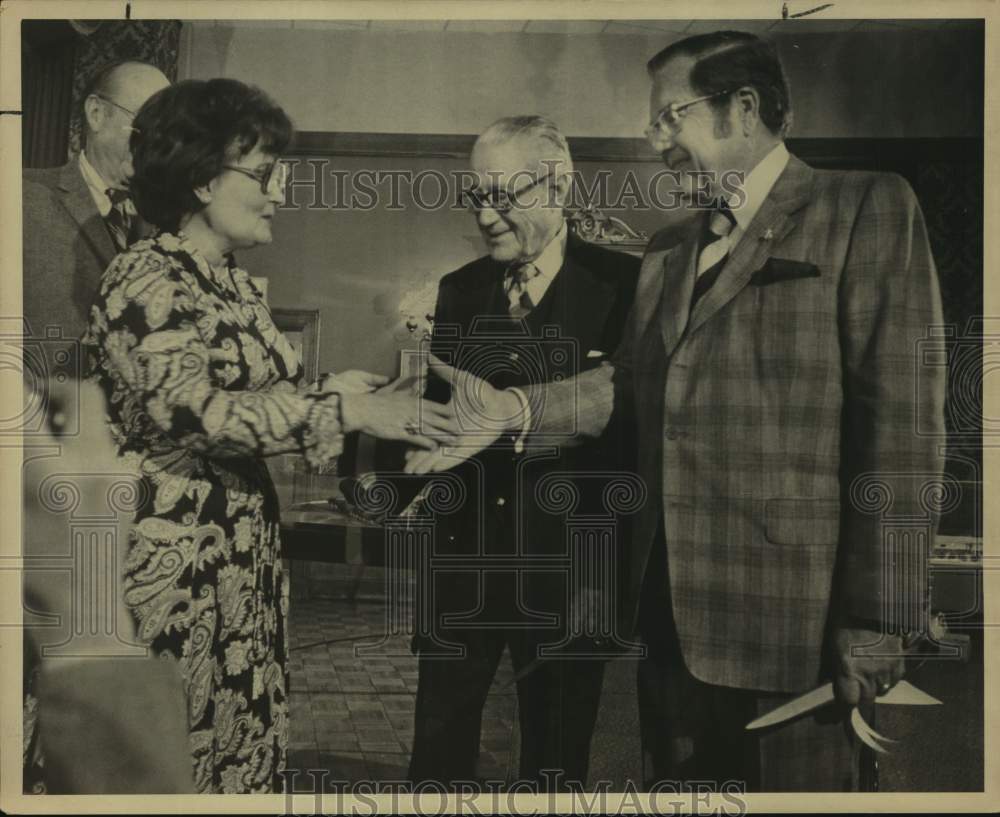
(201, 387)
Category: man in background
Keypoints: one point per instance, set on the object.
(771, 370)
(78, 217)
(542, 300)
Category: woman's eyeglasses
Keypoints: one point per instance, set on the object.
(276, 175)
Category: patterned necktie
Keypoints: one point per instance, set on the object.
(119, 219)
(715, 252)
(517, 289)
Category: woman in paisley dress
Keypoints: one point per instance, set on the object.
(201, 388)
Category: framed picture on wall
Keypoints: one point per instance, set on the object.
(301, 327)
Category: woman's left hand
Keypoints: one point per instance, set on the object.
(353, 381)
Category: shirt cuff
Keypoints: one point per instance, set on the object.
(525, 419)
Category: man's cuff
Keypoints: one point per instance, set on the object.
(525, 419)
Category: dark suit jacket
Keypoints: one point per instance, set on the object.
(582, 313)
(67, 247)
(785, 423)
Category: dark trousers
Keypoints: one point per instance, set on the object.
(557, 709)
(693, 731)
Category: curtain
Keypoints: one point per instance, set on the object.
(48, 53)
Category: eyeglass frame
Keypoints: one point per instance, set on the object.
(477, 205)
(110, 101)
(264, 179)
(678, 111)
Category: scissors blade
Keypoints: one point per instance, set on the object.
(865, 733)
(905, 693)
(820, 696)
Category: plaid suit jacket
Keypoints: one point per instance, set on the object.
(777, 422)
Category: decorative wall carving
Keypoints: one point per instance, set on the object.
(595, 226)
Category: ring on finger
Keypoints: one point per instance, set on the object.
(411, 427)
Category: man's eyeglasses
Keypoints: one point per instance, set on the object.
(668, 118)
(119, 107)
(499, 200)
(276, 174)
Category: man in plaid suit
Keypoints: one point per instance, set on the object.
(770, 367)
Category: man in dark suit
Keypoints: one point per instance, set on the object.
(541, 304)
(771, 368)
(77, 217)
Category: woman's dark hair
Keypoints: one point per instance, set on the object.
(727, 60)
(185, 133)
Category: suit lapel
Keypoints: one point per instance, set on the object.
(80, 205)
(482, 297)
(773, 221)
(679, 266)
(584, 300)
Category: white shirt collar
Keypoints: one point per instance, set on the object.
(97, 186)
(548, 265)
(551, 260)
(759, 182)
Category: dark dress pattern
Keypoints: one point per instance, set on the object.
(201, 387)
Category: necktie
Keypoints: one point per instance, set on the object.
(119, 219)
(517, 289)
(715, 252)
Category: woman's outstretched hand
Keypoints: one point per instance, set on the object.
(399, 415)
(353, 381)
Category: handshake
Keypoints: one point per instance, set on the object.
(441, 436)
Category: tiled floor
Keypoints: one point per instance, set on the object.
(352, 696)
(352, 710)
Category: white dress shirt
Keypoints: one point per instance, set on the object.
(99, 188)
(756, 188)
(548, 265)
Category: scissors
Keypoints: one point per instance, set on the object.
(903, 693)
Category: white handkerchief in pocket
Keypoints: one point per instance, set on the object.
(596, 353)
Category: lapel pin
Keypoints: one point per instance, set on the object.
(768, 235)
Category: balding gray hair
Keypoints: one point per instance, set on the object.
(552, 144)
(105, 83)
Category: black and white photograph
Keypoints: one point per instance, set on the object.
(464, 408)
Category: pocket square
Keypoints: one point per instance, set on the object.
(781, 269)
(596, 353)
